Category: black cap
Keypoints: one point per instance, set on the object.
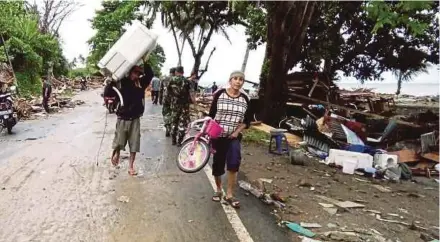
(138, 69)
(172, 70)
(179, 69)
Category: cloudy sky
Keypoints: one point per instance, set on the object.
(228, 57)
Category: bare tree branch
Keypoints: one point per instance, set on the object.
(202, 72)
(53, 14)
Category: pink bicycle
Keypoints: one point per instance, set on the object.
(197, 149)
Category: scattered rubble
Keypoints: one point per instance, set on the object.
(371, 145)
(62, 91)
(123, 199)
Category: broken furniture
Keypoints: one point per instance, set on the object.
(281, 146)
(381, 140)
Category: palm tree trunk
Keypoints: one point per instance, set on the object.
(246, 57)
(399, 84)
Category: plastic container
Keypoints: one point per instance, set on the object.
(135, 43)
(385, 160)
(349, 166)
(213, 129)
(338, 156)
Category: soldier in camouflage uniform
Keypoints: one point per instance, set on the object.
(163, 100)
(179, 89)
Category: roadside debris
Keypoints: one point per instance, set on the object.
(360, 135)
(299, 229)
(381, 188)
(123, 199)
(62, 92)
(310, 225)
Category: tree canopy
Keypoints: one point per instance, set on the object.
(360, 39)
(29, 49)
(194, 22)
(109, 25)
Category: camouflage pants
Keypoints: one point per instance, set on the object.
(167, 116)
(180, 121)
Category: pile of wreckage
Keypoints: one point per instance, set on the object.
(360, 131)
(357, 129)
(61, 97)
(346, 143)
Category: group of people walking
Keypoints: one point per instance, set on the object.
(175, 93)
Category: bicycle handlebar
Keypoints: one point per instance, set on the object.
(202, 120)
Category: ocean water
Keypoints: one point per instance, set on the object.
(409, 88)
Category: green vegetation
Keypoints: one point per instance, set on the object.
(255, 136)
(29, 49)
(109, 25)
(363, 39)
(82, 72)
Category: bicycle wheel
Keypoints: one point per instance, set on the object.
(190, 163)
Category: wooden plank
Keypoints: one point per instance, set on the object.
(295, 104)
(353, 110)
(431, 156)
(292, 139)
(406, 155)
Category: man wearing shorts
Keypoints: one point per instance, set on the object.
(128, 123)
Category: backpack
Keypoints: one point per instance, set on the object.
(406, 171)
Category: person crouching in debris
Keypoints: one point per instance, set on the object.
(47, 90)
(229, 109)
(163, 100)
(128, 123)
(180, 95)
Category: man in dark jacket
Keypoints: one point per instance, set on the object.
(128, 124)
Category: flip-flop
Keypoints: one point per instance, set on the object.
(217, 197)
(132, 173)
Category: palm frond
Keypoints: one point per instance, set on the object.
(225, 34)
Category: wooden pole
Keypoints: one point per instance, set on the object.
(353, 110)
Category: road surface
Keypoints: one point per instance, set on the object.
(52, 189)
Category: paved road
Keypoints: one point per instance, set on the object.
(51, 188)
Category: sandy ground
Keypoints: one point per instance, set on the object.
(409, 201)
(51, 188)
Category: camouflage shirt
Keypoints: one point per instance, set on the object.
(179, 91)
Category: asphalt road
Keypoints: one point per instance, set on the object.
(51, 188)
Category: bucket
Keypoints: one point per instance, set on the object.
(297, 157)
(349, 166)
(213, 129)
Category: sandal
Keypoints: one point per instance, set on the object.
(233, 202)
(132, 173)
(217, 196)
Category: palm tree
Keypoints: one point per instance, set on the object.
(409, 74)
(195, 23)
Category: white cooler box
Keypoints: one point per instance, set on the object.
(137, 41)
(339, 157)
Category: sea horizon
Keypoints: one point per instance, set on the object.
(408, 88)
